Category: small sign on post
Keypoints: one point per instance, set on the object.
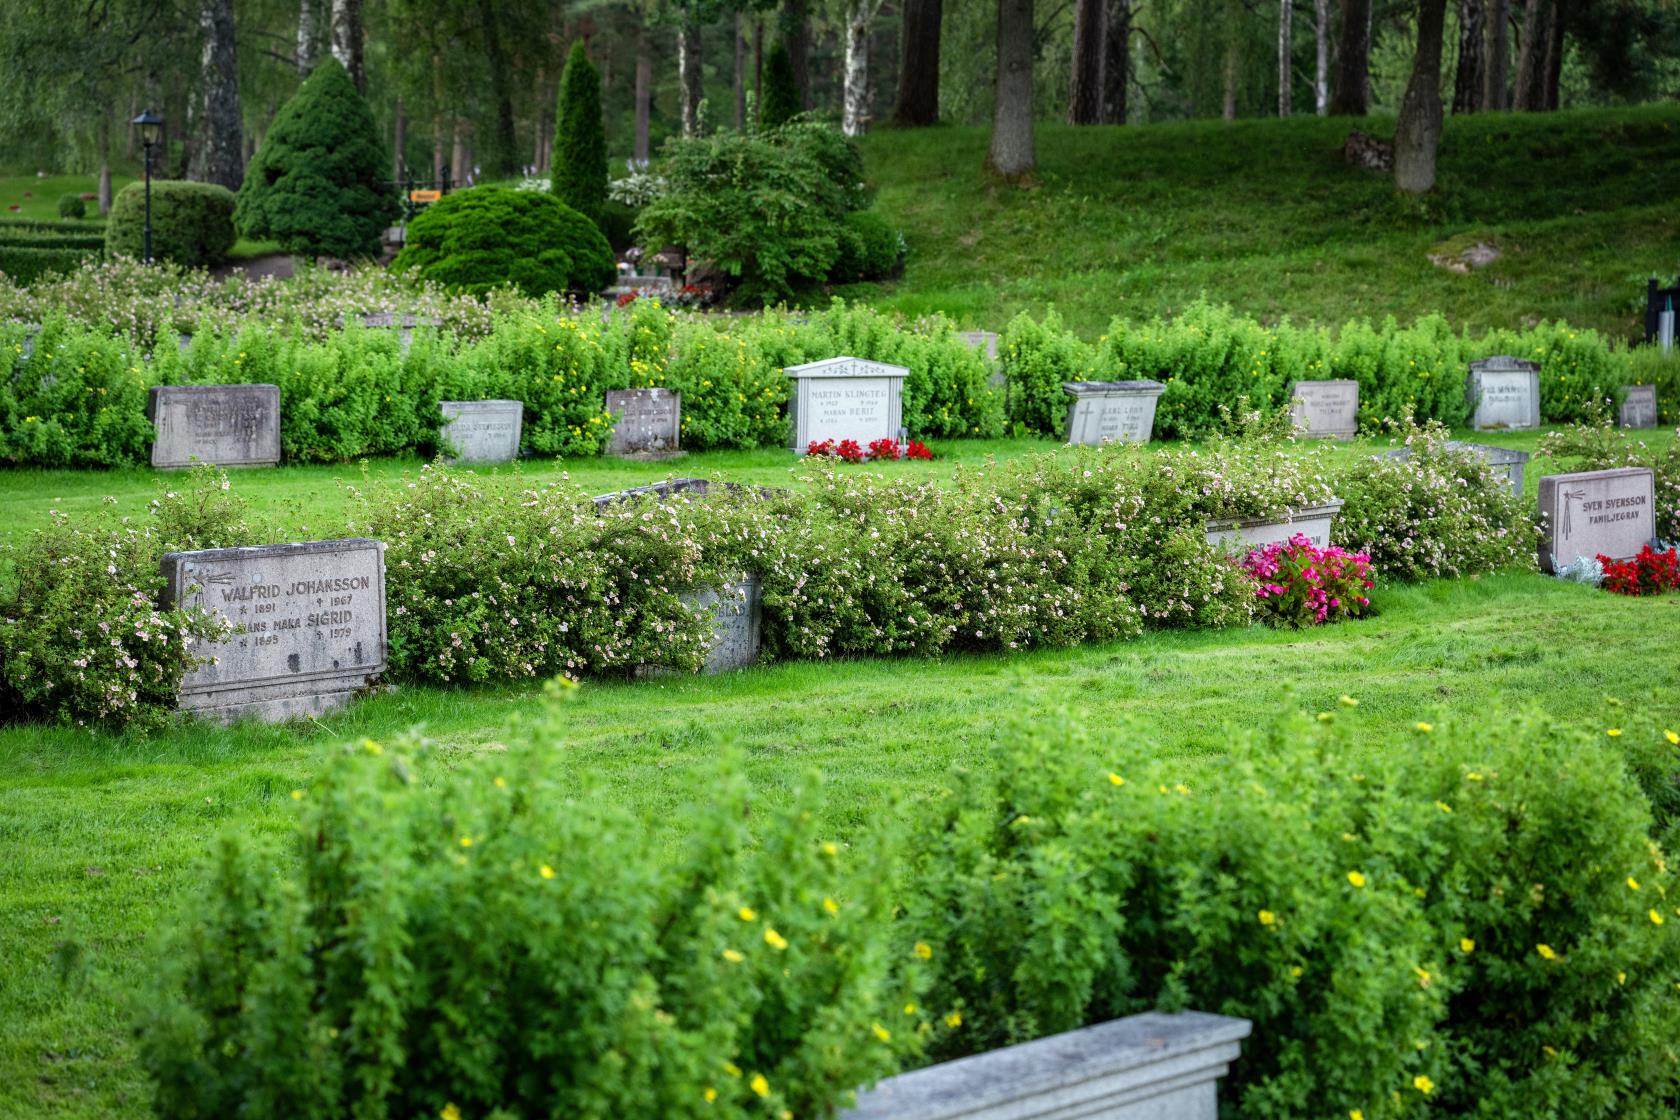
(424, 196)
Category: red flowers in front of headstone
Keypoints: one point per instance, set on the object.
(1649, 573)
(849, 451)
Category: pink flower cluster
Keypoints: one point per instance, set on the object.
(1299, 584)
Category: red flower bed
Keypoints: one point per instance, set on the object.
(849, 451)
(1649, 573)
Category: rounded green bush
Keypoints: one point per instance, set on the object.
(479, 239)
(870, 248)
(71, 206)
(192, 223)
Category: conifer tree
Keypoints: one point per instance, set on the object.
(781, 88)
(579, 168)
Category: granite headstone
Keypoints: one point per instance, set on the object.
(311, 621)
(1313, 522)
(1596, 513)
(1107, 411)
(1504, 393)
(223, 425)
(648, 422)
(1639, 407)
(845, 398)
(483, 431)
(1325, 408)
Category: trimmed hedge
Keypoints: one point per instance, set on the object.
(25, 263)
(192, 223)
(477, 240)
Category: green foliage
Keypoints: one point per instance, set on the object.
(78, 400)
(192, 223)
(580, 139)
(71, 206)
(732, 386)
(82, 638)
(476, 240)
(781, 88)
(317, 184)
(27, 263)
(1602, 446)
(1038, 358)
(1438, 511)
(870, 248)
(428, 941)
(1406, 928)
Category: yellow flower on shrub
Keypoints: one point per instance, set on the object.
(924, 950)
(1116, 780)
(1466, 945)
(954, 1020)
(759, 1085)
(1425, 727)
(1348, 701)
(734, 956)
(1633, 884)
(1614, 732)
(710, 1094)
(1672, 736)
(732, 1069)
(546, 871)
(1423, 1085)
(450, 1112)
(1546, 951)
(1356, 878)
(774, 939)
(1267, 918)
(747, 913)
(1656, 918)
(881, 1032)
(831, 906)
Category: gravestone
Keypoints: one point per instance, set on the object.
(404, 325)
(981, 340)
(483, 431)
(1325, 408)
(1592, 513)
(1639, 407)
(1504, 393)
(648, 422)
(1153, 1066)
(1508, 462)
(223, 425)
(845, 398)
(735, 608)
(313, 619)
(1106, 411)
(1313, 522)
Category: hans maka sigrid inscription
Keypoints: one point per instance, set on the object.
(1596, 513)
(845, 398)
(223, 425)
(309, 625)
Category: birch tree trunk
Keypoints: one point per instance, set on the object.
(689, 76)
(1352, 97)
(1117, 60)
(104, 164)
(1469, 80)
(854, 114)
(1417, 134)
(221, 152)
(347, 40)
(1085, 89)
(460, 173)
(1286, 47)
(1495, 89)
(308, 36)
(1321, 57)
(644, 92)
(1011, 154)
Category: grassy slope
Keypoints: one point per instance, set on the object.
(1266, 216)
(98, 835)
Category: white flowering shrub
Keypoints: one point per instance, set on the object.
(1437, 511)
(1599, 445)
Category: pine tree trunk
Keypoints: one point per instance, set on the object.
(917, 103)
(1233, 68)
(1554, 55)
(740, 70)
(1321, 57)
(440, 122)
(1417, 134)
(1529, 95)
(644, 92)
(1469, 80)
(347, 40)
(758, 62)
(1117, 60)
(854, 97)
(504, 151)
(796, 36)
(689, 76)
(1496, 64)
(1353, 61)
(1286, 50)
(460, 173)
(399, 141)
(308, 36)
(1011, 154)
(1085, 88)
(221, 152)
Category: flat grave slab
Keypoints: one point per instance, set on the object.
(222, 425)
(313, 616)
(1313, 522)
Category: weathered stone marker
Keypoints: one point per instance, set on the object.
(845, 398)
(1610, 513)
(223, 425)
(648, 421)
(1325, 408)
(1152, 1066)
(1505, 393)
(1639, 407)
(1106, 411)
(483, 431)
(1314, 522)
(735, 610)
(313, 619)
(981, 340)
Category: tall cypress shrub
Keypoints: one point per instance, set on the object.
(317, 185)
(580, 140)
(781, 88)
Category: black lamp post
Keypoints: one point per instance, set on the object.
(151, 133)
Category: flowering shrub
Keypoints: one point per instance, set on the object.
(1300, 585)
(1490, 897)
(1649, 573)
(883, 448)
(1599, 445)
(1432, 510)
(425, 942)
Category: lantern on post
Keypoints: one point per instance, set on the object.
(151, 134)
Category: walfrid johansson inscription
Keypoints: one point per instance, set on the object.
(223, 425)
(1325, 408)
(1610, 513)
(311, 621)
(649, 421)
(845, 398)
(483, 431)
